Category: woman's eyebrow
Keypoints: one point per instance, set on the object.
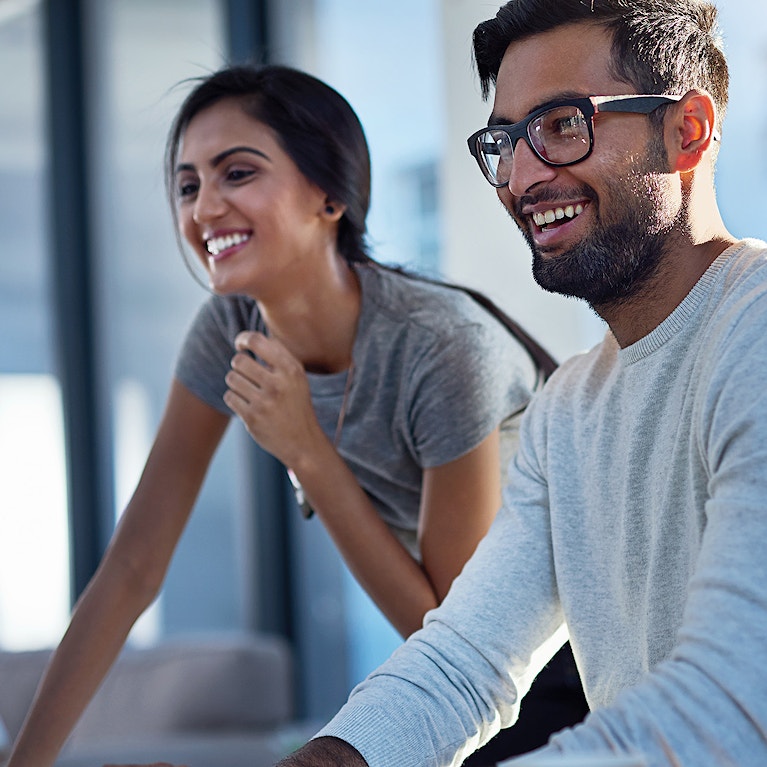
(219, 158)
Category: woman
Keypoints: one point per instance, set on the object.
(387, 397)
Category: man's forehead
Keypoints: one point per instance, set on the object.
(572, 60)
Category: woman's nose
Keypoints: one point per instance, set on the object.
(208, 205)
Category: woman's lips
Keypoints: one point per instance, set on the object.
(223, 245)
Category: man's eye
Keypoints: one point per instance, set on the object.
(569, 126)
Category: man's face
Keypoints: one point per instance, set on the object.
(613, 211)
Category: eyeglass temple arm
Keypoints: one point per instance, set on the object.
(640, 104)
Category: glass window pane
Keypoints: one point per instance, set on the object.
(143, 49)
(742, 165)
(349, 44)
(34, 547)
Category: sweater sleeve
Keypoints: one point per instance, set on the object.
(706, 704)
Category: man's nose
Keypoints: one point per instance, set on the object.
(527, 170)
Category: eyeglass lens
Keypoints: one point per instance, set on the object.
(559, 136)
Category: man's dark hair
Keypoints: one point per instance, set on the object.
(659, 46)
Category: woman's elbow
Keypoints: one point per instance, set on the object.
(135, 581)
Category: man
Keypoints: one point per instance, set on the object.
(635, 516)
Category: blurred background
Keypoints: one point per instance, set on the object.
(95, 298)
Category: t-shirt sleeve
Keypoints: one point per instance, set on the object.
(208, 348)
(472, 378)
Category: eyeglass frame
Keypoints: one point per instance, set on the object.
(637, 103)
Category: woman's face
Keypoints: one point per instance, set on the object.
(251, 217)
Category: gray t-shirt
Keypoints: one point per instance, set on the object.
(434, 374)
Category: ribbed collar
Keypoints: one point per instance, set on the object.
(681, 316)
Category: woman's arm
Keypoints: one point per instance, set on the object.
(459, 499)
(458, 503)
(128, 578)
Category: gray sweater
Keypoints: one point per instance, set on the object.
(635, 520)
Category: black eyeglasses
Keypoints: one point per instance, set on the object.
(559, 134)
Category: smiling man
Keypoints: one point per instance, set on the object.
(634, 519)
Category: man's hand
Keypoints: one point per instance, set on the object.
(154, 764)
(325, 752)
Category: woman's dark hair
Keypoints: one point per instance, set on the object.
(659, 46)
(323, 136)
(315, 126)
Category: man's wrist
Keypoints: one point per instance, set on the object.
(325, 752)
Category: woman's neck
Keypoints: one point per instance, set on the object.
(318, 324)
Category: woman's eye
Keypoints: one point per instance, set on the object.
(239, 174)
(187, 189)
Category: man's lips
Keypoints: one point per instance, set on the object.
(551, 223)
(544, 218)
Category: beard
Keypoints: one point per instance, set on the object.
(619, 258)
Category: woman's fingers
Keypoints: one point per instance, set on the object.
(268, 390)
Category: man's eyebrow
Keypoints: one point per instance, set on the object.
(499, 119)
(221, 156)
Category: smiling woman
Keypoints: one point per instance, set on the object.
(252, 218)
(393, 400)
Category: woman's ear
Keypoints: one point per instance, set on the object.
(333, 211)
(692, 130)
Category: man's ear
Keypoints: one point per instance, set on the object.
(691, 128)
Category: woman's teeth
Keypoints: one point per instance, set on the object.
(557, 214)
(217, 245)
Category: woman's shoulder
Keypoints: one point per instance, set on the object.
(407, 297)
(432, 327)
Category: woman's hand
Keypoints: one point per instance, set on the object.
(271, 396)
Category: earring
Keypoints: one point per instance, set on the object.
(330, 210)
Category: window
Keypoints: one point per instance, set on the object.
(33, 494)
(350, 45)
(147, 297)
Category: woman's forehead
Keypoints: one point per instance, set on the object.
(223, 124)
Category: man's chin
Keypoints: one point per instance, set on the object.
(553, 275)
(550, 276)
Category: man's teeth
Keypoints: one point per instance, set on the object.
(219, 244)
(557, 214)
